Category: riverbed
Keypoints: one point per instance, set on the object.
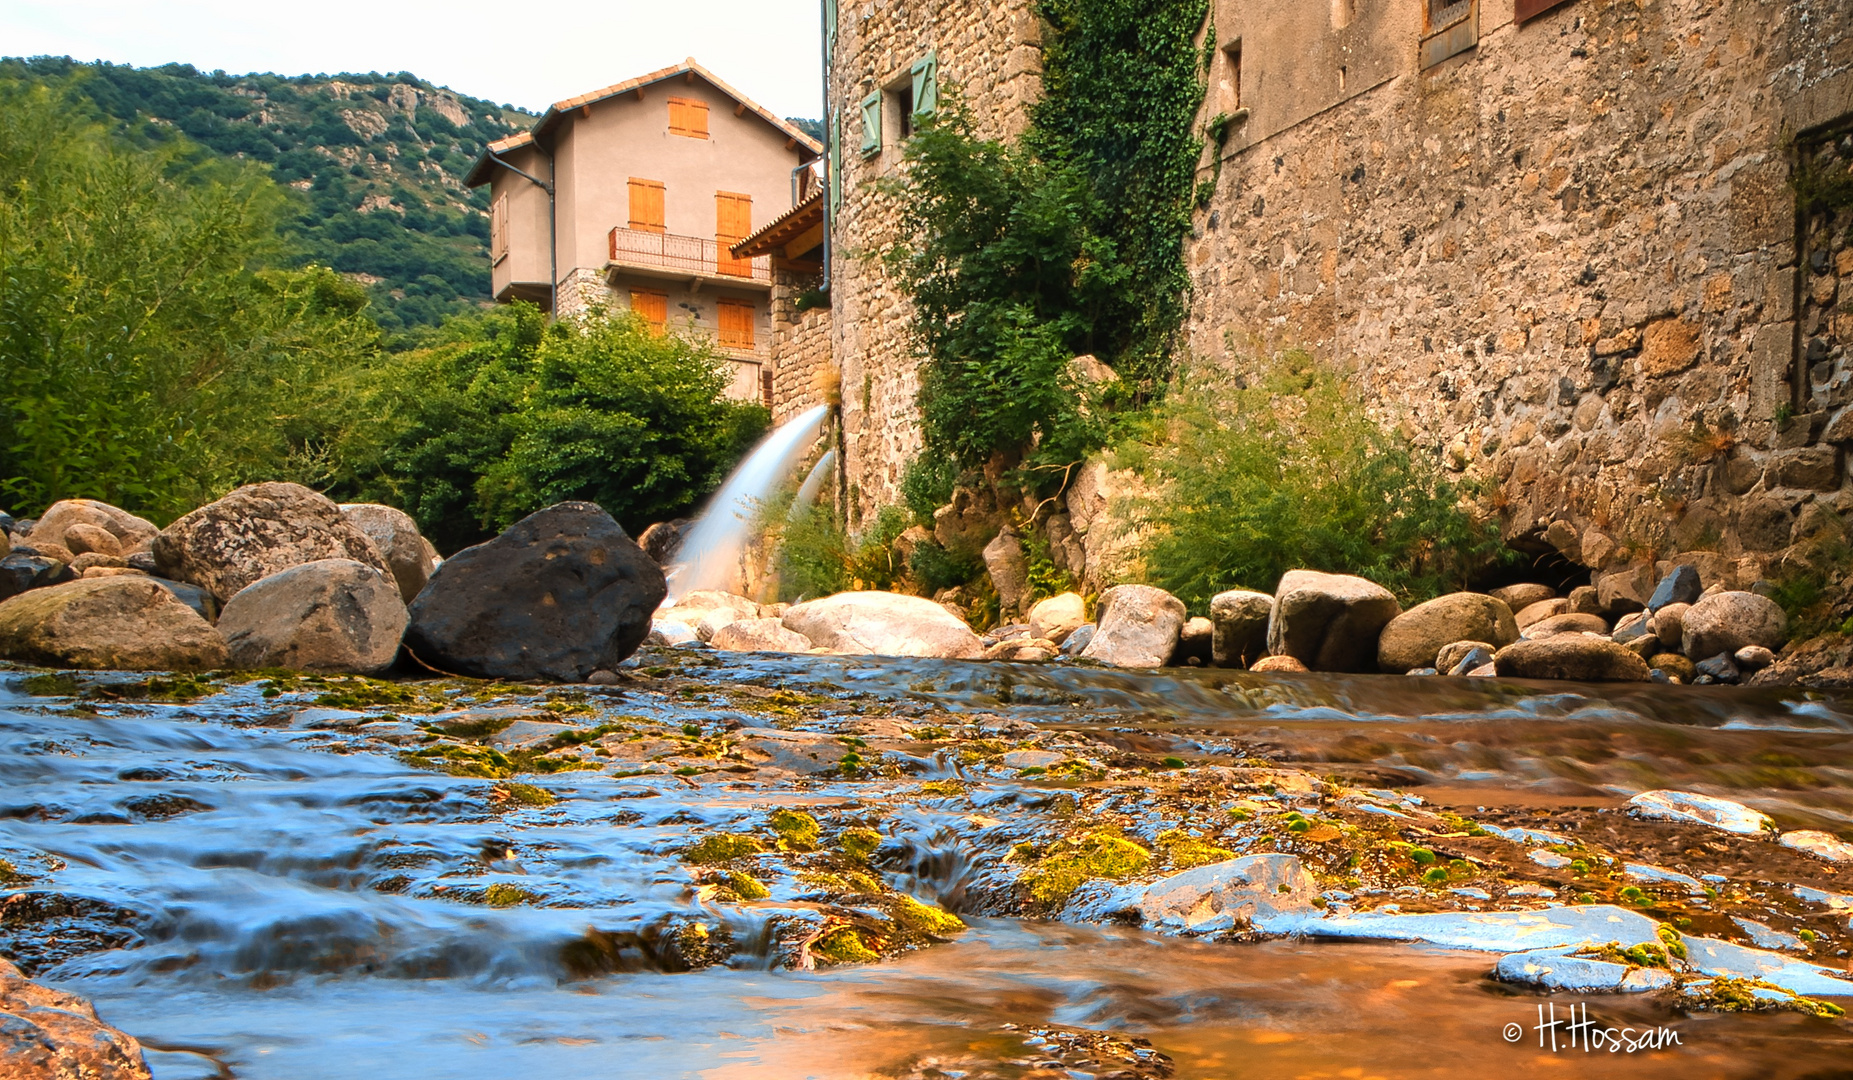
(290, 878)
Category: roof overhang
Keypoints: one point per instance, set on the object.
(789, 234)
(481, 172)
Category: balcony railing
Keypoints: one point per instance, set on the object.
(684, 254)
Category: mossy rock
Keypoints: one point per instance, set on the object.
(721, 848)
(1070, 864)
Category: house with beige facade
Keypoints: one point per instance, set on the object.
(633, 196)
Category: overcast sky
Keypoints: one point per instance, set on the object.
(526, 54)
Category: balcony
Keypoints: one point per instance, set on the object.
(684, 258)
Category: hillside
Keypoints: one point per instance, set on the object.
(377, 162)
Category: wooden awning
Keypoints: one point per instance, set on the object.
(793, 236)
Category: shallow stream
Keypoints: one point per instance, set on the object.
(255, 889)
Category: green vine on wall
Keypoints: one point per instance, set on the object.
(1020, 257)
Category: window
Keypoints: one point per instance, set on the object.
(647, 205)
(871, 124)
(904, 100)
(498, 230)
(1453, 28)
(1229, 87)
(688, 117)
(652, 307)
(733, 222)
(736, 319)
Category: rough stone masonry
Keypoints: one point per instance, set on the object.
(1564, 253)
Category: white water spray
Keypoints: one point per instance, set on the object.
(814, 483)
(709, 557)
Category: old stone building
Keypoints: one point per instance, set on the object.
(1558, 243)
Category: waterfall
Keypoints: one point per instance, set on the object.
(709, 557)
(807, 491)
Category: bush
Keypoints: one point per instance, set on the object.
(510, 415)
(150, 362)
(1288, 471)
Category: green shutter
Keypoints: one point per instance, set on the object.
(829, 30)
(835, 177)
(926, 86)
(871, 124)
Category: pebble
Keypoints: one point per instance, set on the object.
(1643, 872)
(1550, 860)
(1820, 844)
(1764, 936)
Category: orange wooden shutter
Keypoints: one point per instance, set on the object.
(498, 230)
(688, 117)
(646, 205)
(733, 222)
(736, 324)
(652, 307)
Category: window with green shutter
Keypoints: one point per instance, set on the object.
(926, 85)
(871, 124)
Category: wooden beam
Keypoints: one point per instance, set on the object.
(640, 93)
(585, 110)
(739, 108)
(805, 241)
(791, 144)
(688, 77)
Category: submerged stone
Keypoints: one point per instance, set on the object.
(1496, 931)
(1554, 969)
(1685, 806)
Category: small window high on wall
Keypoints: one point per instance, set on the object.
(1453, 27)
(1229, 80)
(688, 118)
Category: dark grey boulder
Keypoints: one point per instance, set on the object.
(23, 570)
(1679, 586)
(202, 602)
(563, 593)
(1721, 668)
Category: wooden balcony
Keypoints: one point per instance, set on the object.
(691, 259)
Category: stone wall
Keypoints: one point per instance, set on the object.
(1562, 255)
(987, 52)
(1564, 260)
(802, 372)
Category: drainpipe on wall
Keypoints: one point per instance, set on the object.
(553, 239)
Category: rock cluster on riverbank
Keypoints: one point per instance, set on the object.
(277, 576)
(1683, 631)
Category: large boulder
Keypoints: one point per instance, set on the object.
(1579, 657)
(1239, 621)
(1330, 622)
(1414, 638)
(334, 615)
(1009, 572)
(563, 593)
(256, 531)
(884, 624)
(1726, 622)
(129, 532)
(48, 1034)
(1055, 617)
(759, 635)
(409, 556)
(1137, 626)
(129, 623)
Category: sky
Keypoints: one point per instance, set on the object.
(768, 49)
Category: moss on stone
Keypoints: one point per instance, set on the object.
(1740, 995)
(746, 886)
(843, 945)
(1068, 864)
(525, 794)
(859, 843)
(501, 894)
(922, 919)
(722, 847)
(1185, 851)
(797, 830)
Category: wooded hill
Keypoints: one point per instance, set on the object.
(376, 163)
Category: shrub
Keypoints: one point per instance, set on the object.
(1287, 470)
(507, 415)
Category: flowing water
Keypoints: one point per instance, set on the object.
(710, 555)
(274, 893)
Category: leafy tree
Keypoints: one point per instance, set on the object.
(506, 415)
(149, 362)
